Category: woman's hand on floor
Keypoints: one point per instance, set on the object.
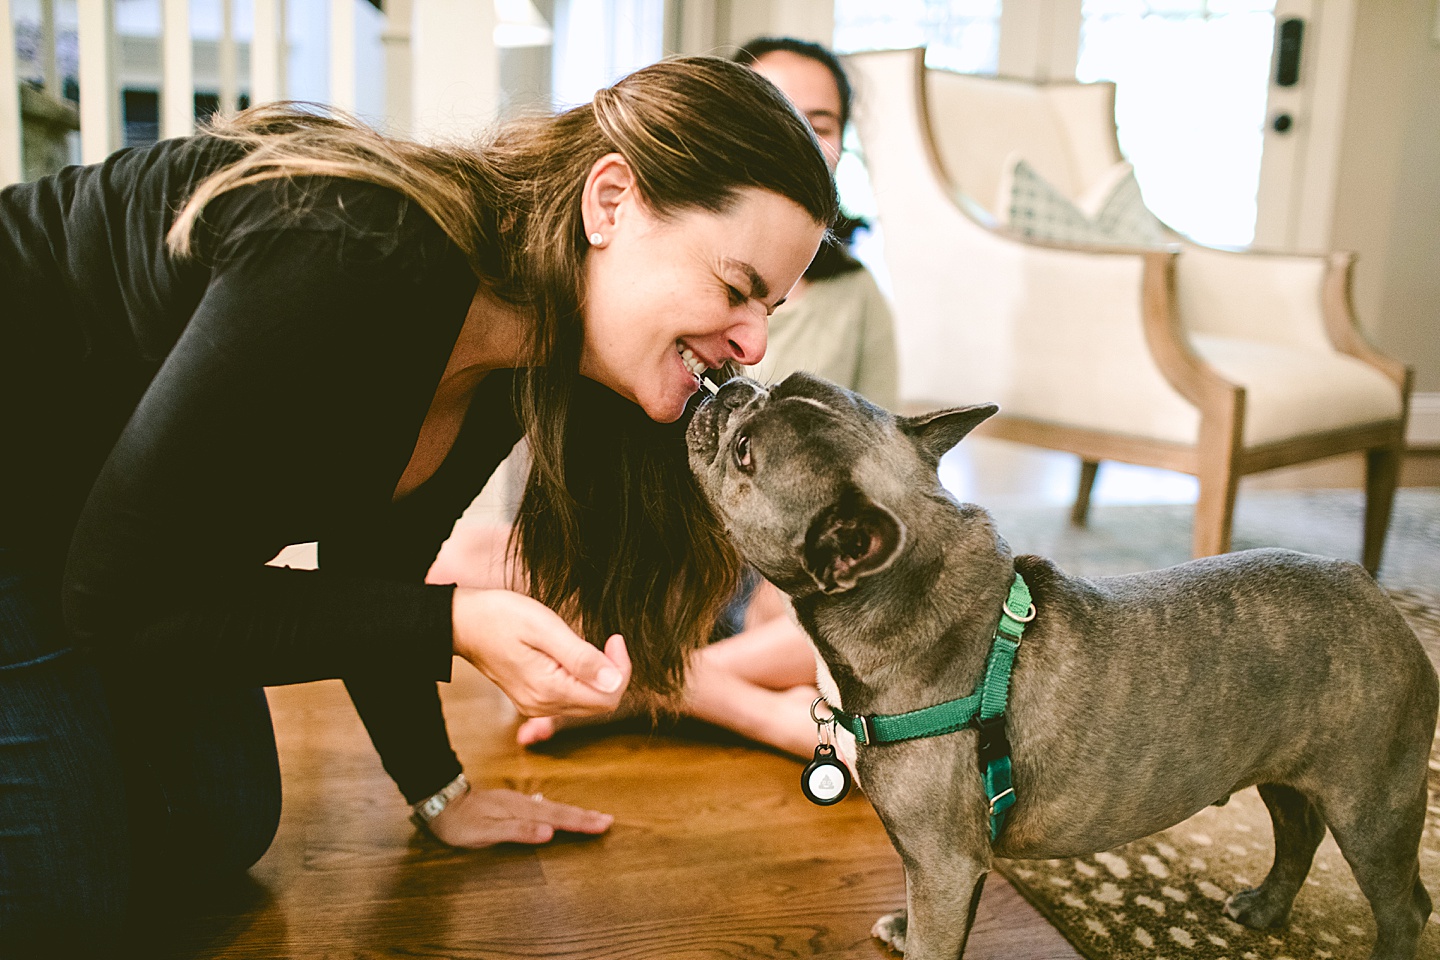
(482, 818)
(531, 654)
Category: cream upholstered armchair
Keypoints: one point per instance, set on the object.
(1209, 362)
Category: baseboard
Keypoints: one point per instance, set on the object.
(1424, 432)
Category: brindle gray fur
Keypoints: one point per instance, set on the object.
(1136, 701)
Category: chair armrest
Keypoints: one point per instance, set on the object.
(1275, 298)
(1343, 328)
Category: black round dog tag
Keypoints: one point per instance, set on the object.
(826, 780)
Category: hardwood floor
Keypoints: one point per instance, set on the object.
(714, 854)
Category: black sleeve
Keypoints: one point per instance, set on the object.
(407, 727)
(299, 367)
(403, 716)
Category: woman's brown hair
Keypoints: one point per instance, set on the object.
(612, 530)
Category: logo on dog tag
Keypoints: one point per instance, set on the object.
(826, 780)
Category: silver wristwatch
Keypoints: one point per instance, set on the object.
(429, 808)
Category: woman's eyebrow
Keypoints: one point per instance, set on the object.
(759, 289)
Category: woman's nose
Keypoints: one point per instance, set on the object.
(747, 340)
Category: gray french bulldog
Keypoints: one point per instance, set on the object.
(1135, 701)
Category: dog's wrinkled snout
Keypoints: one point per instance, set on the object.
(736, 396)
(712, 418)
(736, 392)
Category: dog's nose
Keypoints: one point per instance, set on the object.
(736, 392)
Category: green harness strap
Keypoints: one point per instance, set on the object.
(984, 709)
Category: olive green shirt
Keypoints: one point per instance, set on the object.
(840, 328)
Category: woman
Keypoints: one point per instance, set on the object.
(294, 329)
(760, 681)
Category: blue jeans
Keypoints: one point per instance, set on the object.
(117, 793)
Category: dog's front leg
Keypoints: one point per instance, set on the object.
(940, 901)
(934, 809)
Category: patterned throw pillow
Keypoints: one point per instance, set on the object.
(1112, 211)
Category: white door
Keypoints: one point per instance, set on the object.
(1191, 102)
(1230, 111)
(1302, 129)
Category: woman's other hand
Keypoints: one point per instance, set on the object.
(533, 656)
(482, 818)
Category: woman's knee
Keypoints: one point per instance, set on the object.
(220, 779)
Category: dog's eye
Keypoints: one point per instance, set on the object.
(742, 452)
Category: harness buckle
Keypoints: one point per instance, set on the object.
(994, 743)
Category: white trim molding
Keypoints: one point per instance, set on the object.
(10, 117)
(1424, 431)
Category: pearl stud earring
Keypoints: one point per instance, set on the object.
(597, 239)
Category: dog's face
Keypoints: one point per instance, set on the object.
(815, 483)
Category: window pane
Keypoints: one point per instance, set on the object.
(1192, 78)
(959, 35)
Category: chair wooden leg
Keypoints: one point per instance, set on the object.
(1080, 512)
(1382, 476)
(1214, 513)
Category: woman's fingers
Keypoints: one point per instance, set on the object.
(543, 666)
(607, 672)
(488, 832)
(561, 816)
(482, 818)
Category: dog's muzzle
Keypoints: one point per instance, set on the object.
(712, 417)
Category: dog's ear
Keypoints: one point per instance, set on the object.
(852, 538)
(935, 433)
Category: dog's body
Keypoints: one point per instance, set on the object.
(1135, 701)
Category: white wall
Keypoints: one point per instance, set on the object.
(1387, 206)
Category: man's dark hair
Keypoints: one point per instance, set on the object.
(755, 49)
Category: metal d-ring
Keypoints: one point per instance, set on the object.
(1030, 614)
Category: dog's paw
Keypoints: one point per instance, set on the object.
(1257, 910)
(890, 930)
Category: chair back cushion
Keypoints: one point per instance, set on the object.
(1112, 212)
(1064, 131)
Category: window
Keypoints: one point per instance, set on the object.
(961, 35)
(1192, 79)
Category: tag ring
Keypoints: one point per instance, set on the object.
(819, 722)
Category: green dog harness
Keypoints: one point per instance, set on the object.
(983, 709)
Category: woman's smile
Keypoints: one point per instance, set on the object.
(671, 297)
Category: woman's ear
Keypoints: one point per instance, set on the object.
(610, 184)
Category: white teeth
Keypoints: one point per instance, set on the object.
(692, 363)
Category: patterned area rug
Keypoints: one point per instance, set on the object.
(1160, 898)
(1128, 538)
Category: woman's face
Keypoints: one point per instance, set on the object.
(811, 87)
(698, 281)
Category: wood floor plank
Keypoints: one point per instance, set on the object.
(714, 855)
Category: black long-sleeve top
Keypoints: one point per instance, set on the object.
(168, 425)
